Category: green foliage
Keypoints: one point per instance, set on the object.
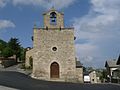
(104, 73)
(14, 44)
(11, 48)
(28, 68)
(3, 45)
(22, 66)
(84, 69)
(7, 52)
(22, 54)
(88, 69)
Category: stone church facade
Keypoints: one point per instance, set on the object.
(53, 51)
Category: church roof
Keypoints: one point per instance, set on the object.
(78, 64)
(52, 9)
(86, 73)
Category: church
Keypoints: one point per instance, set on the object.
(53, 51)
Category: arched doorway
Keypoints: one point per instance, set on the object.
(54, 70)
(31, 62)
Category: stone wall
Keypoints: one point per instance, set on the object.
(29, 54)
(6, 62)
(79, 74)
(93, 77)
(54, 43)
(44, 56)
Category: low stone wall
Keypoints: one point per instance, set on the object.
(6, 62)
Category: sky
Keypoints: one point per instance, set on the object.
(96, 23)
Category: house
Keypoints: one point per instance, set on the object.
(53, 51)
(113, 70)
(93, 77)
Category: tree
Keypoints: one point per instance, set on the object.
(11, 48)
(3, 45)
(104, 73)
(84, 69)
(14, 44)
(89, 69)
(7, 52)
(22, 54)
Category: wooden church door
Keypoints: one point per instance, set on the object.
(54, 70)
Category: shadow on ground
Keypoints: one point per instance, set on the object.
(23, 82)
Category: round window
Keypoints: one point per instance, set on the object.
(54, 49)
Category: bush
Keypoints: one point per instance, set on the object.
(7, 52)
(23, 66)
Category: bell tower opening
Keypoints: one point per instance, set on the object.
(53, 19)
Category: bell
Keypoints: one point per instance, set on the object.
(53, 20)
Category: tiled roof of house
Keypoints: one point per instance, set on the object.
(118, 61)
(111, 63)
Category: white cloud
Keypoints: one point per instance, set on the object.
(44, 3)
(2, 3)
(87, 60)
(101, 27)
(62, 3)
(86, 49)
(6, 24)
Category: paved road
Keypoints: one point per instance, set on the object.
(15, 68)
(10, 80)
